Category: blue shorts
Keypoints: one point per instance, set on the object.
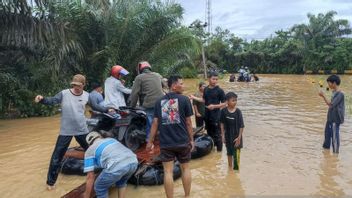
(106, 179)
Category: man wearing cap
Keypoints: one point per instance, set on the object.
(147, 87)
(114, 88)
(96, 100)
(118, 163)
(73, 122)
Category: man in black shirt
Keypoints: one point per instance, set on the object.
(214, 99)
(172, 116)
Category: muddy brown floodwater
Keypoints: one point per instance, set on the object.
(282, 154)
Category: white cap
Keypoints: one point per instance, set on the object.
(92, 136)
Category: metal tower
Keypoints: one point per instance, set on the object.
(208, 15)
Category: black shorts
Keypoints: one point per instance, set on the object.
(199, 121)
(181, 153)
(231, 149)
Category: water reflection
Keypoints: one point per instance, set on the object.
(236, 184)
(282, 155)
(328, 175)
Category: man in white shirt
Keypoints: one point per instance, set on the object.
(114, 88)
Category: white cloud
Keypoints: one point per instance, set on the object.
(257, 19)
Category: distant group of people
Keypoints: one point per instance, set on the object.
(244, 75)
(169, 113)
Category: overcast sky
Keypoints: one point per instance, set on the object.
(257, 19)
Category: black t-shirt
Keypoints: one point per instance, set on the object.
(213, 96)
(232, 124)
(172, 111)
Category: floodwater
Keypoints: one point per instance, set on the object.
(282, 154)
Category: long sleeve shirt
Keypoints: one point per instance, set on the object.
(147, 87)
(114, 91)
(96, 101)
(73, 120)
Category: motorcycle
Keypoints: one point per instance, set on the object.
(244, 77)
(128, 127)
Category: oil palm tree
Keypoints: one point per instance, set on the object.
(56, 39)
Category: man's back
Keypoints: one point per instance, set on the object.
(147, 87)
(110, 154)
(172, 111)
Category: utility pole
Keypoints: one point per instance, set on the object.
(204, 64)
(305, 35)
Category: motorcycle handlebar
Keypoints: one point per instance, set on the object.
(120, 110)
(131, 108)
(101, 113)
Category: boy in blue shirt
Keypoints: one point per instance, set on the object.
(336, 114)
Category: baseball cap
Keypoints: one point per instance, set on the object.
(92, 136)
(78, 79)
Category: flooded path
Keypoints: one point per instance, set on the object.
(282, 154)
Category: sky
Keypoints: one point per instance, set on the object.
(258, 19)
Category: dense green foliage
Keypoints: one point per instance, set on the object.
(322, 44)
(44, 42)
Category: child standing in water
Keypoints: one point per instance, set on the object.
(336, 114)
(231, 125)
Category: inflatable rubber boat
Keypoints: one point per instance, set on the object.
(150, 170)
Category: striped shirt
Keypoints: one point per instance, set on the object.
(108, 154)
